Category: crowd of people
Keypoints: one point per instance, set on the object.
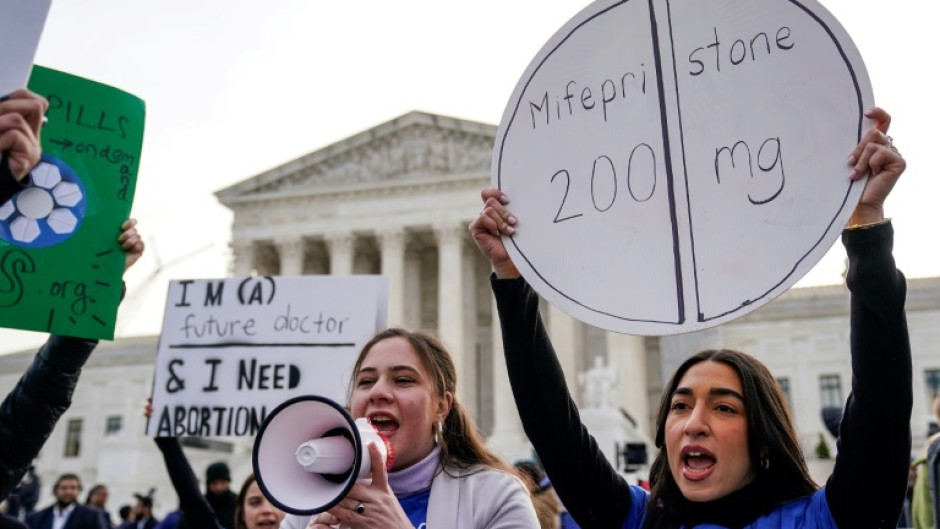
(728, 454)
(95, 514)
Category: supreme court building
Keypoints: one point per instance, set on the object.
(396, 200)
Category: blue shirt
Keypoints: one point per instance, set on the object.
(810, 512)
(416, 507)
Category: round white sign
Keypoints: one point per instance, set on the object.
(675, 164)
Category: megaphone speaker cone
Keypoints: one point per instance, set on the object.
(310, 429)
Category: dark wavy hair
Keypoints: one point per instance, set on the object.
(773, 447)
(461, 443)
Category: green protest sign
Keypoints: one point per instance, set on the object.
(60, 262)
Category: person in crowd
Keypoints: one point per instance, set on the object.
(21, 117)
(728, 454)
(22, 500)
(547, 505)
(173, 520)
(925, 503)
(142, 513)
(219, 495)
(97, 496)
(251, 509)
(98, 499)
(550, 511)
(442, 475)
(124, 513)
(66, 511)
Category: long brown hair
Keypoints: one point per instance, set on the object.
(240, 502)
(773, 447)
(461, 444)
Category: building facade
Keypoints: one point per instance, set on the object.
(396, 200)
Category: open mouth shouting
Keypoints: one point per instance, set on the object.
(267, 523)
(697, 463)
(383, 423)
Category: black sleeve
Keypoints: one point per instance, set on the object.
(9, 185)
(592, 491)
(7, 522)
(195, 509)
(869, 480)
(31, 409)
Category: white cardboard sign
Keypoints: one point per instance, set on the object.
(675, 164)
(21, 24)
(231, 350)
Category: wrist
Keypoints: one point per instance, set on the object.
(505, 270)
(864, 215)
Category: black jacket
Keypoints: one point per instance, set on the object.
(30, 411)
(81, 518)
(224, 508)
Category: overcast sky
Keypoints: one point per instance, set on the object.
(236, 87)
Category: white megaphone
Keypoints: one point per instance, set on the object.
(309, 452)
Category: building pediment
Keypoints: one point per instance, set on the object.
(412, 147)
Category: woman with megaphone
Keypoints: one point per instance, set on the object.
(442, 475)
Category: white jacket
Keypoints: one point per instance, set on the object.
(468, 499)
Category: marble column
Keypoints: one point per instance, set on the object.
(567, 337)
(470, 378)
(450, 298)
(392, 244)
(243, 258)
(340, 246)
(291, 253)
(626, 354)
(413, 288)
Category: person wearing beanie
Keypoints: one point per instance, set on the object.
(219, 495)
(218, 471)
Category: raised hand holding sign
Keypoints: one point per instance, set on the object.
(60, 258)
(687, 159)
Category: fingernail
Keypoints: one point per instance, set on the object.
(851, 160)
(510, 230)
(869, 112)
(504, 199)
(511, 219)
(852, 174)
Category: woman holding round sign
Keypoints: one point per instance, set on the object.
(729, 454)
(441, 474)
